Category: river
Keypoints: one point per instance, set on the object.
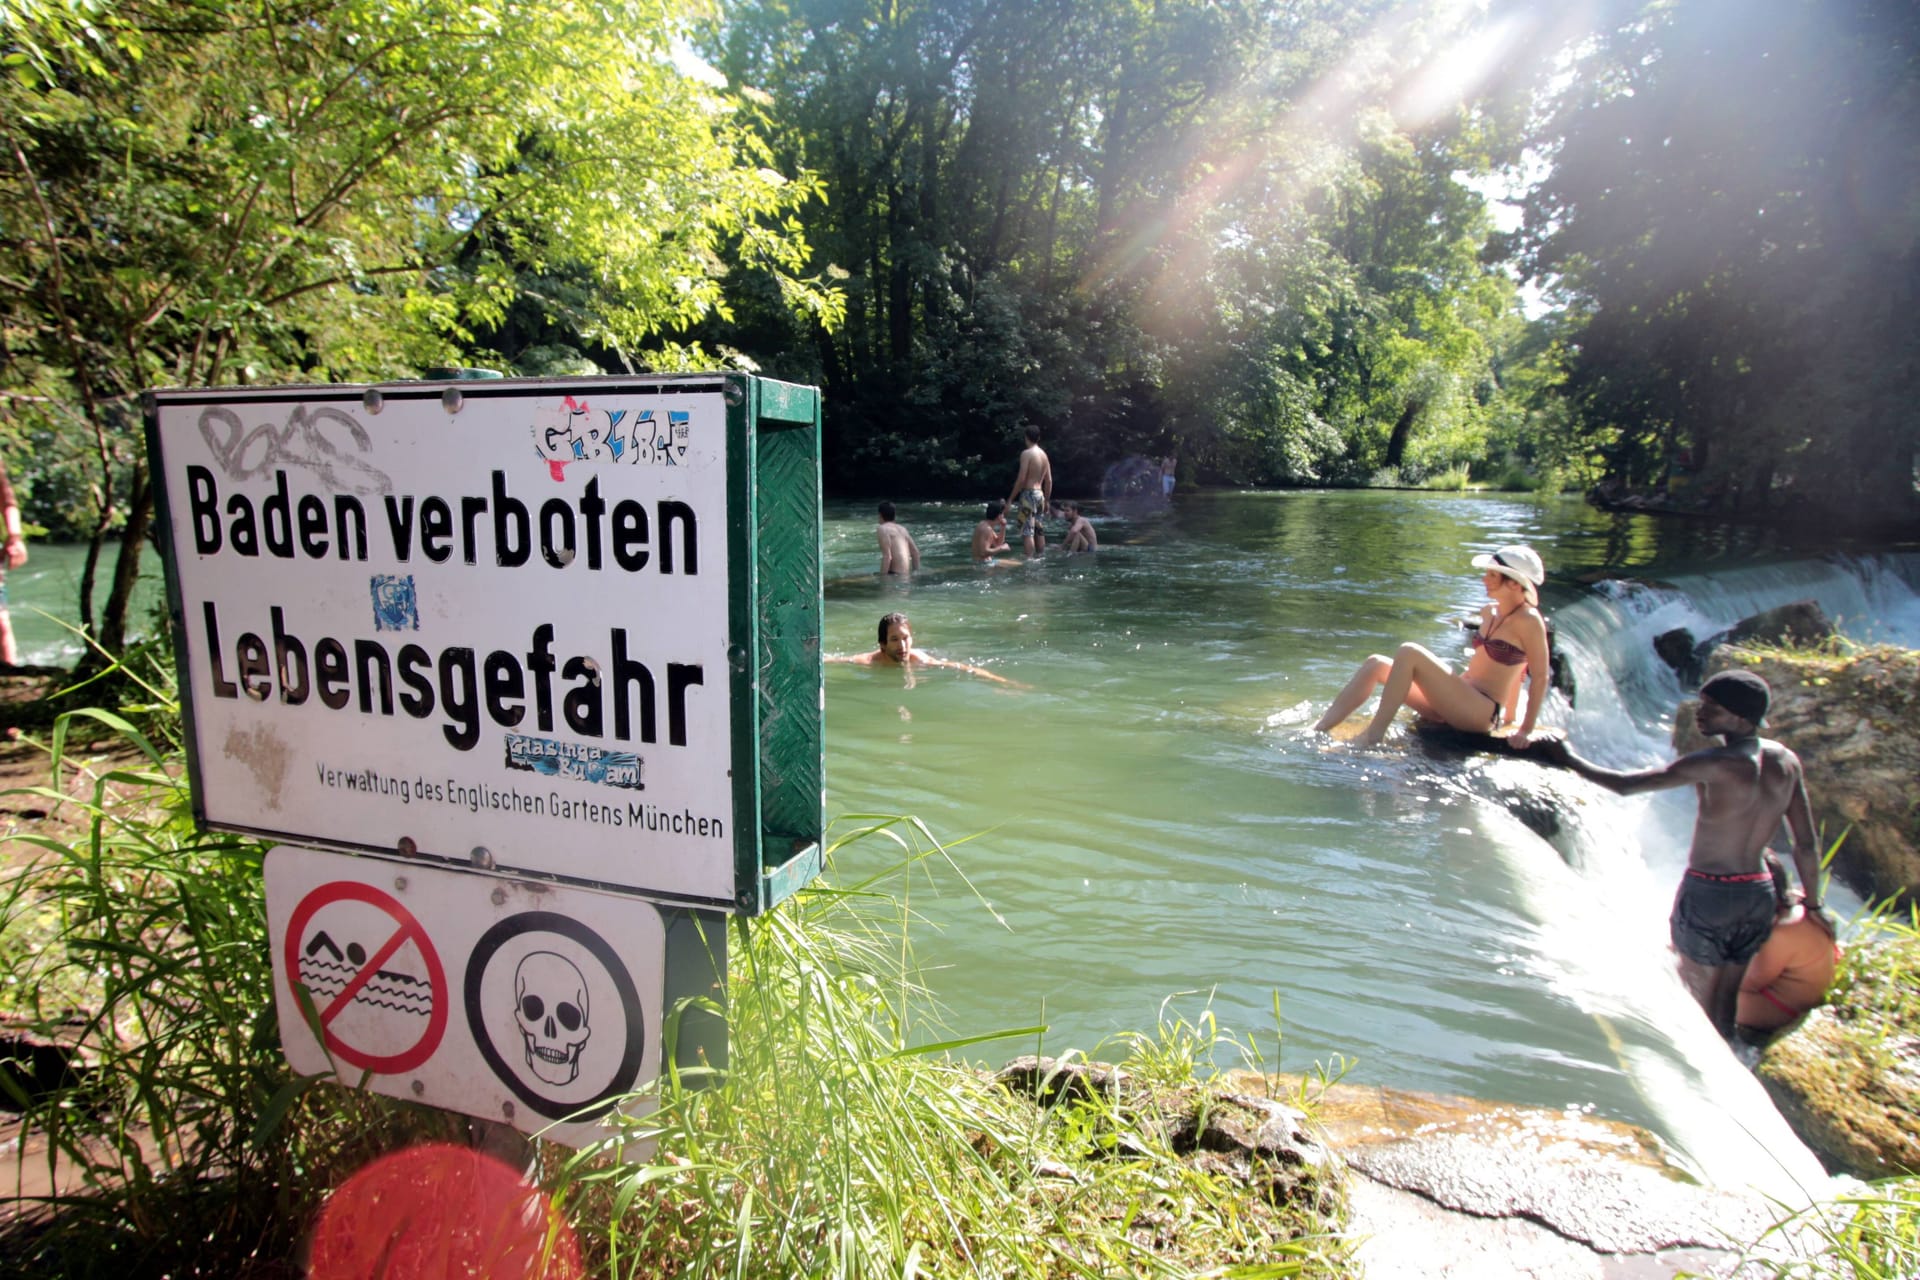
(1149, 832)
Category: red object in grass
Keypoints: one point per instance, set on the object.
(441, 1212)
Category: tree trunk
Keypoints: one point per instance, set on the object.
(112, 638)
(1402, 432)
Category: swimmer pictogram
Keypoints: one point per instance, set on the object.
(378, 989)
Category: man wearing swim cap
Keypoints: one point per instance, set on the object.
(1724, 909)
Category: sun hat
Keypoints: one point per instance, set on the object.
(1741, 692)
(1519, 563)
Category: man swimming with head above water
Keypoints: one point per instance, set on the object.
(896, 650)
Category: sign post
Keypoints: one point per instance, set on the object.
(565, 633)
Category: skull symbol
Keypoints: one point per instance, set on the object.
(551, 1008)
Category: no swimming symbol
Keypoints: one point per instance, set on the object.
(378, 989)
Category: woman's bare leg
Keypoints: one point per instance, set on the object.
(1419, 677)
(1372, 674)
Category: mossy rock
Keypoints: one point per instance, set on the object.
(1848, 1080)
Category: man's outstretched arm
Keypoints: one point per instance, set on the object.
(1627, 782)
(921, 659)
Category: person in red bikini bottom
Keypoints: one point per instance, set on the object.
(1725, 907)
(1790, 975)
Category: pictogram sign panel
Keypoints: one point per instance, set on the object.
(528, 1003)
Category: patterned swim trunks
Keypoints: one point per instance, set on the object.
(1031, 508)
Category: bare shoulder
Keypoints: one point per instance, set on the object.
(1780, 755)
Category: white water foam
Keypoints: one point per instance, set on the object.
(1602, 933)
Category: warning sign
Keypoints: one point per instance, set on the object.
(555, 1013)
(549, 1021)
(378, 989)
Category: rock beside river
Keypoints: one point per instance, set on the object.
(1848, 1080)
(1854, 719)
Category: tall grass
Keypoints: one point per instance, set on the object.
(1872, 1233)
(183, 1145)
(837, 1141)
(834, 1146)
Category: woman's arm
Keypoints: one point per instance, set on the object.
(1533, 638)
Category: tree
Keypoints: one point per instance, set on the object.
(199, 192)
(1732, 206)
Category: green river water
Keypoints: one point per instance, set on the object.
(1150, 832)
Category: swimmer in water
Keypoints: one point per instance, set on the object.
(899, 554)
(1511, 643)
(1080, 535)
(990, 535)
(896, 650)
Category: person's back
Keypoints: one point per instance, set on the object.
(1790, 974)
(1744, 795)
(899, 554)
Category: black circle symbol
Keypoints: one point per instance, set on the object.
(624, 1076)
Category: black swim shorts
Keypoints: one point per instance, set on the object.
(1721, 922)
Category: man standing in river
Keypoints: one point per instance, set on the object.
(899, 553)
(1724, 909)
(1032, 492)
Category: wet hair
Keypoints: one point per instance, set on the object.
(1070, 508)
(886, 512)
(1033, 435)
(887, 623)
(1741, 692)
(995, 507)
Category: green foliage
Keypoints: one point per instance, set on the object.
(145, 943)
(837, 1141)
(1142, 227)
(1873, 1234)
(352, 189)
(1731, 211)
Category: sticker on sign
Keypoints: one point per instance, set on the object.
(530, 1004)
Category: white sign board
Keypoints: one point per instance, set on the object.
(445, 619)
(512, 1002)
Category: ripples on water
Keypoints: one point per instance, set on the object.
(1152, 820)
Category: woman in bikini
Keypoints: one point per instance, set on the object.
(1511, 642)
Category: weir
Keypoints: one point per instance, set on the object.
(1608, 917)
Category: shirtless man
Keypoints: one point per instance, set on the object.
(1032, 491)
(990, 535)
(1080, 535)
(1724, 908)
(896, 650)
(899, 554)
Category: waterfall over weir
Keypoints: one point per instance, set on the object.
(1628, 853)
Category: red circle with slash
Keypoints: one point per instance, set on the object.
(406, 929)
